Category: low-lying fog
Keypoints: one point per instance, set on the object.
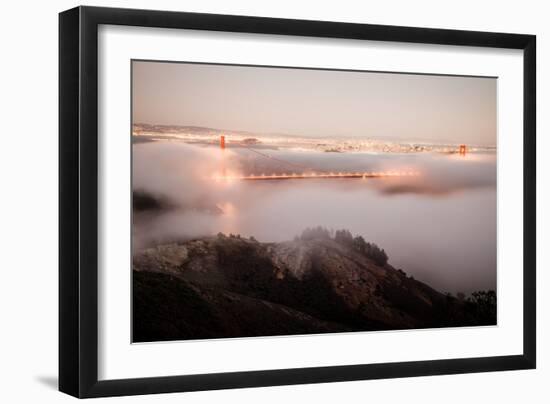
(439, 227)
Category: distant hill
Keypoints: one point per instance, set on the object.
(228, 286)
(139, 128)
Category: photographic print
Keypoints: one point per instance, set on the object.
(274, 201)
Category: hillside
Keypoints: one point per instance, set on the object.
(228, 286)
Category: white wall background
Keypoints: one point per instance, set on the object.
(28, 212)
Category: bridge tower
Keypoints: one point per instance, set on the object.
(222, 142)
(462, 150)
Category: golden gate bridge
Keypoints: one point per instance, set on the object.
(310, 173)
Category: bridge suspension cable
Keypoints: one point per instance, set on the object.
(302, 166)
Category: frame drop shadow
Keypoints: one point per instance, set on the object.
(51, 382)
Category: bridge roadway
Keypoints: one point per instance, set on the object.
(313, 176)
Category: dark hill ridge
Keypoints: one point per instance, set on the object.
(223, 286)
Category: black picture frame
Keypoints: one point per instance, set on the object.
(78, 201)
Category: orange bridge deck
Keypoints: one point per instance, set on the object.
(313, 176)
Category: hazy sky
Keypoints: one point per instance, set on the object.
(316, 102)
